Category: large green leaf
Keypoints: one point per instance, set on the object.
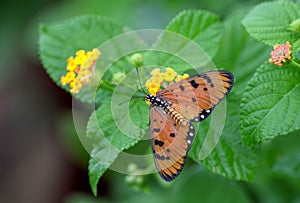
(270, 103)
(229, 158)
(109, 136)
(268, 22)
(203, 27)
(189, 40)
(239, 53)
(58, 42)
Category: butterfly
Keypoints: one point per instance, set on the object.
(173, 111)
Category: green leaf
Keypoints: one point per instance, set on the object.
(96, 170)
(203, 27)
(296, 51)
(229, 158)
(108, 133)
(239, 53)
(202, 186)
(189, 40)
(58, 42)
(269, 22)
(270, 103)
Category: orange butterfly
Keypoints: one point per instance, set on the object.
(172, 112)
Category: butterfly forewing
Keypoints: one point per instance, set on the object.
(170, 143)
(195, 97)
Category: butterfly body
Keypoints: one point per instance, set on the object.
(173, 111)
(161, 103)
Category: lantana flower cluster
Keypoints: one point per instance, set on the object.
(281, 54)
(162, 79)
(80, 69)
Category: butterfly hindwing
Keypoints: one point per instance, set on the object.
(170, 143)
(195, 97)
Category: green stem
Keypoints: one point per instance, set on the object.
(295, 63)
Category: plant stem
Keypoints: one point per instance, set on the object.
(295, 63)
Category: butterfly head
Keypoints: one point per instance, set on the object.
(155, 100)
(150, 98)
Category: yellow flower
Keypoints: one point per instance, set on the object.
(152, 87)
(70, 76)
(80, 59)
(80, 69)
(157, 78)
(170, 74)
(75, 86)
(155, 71)
(181, 77)
(281, 54)
(63, 80)
(93, 55)
(71, 64)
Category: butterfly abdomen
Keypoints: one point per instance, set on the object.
(176, 116)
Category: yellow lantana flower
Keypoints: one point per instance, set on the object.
(181, 77)
(159, 79)
(170, 74)
(80, 69)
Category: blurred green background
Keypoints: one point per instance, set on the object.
(41, 157)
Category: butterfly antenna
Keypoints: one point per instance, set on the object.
(142, 96)
(138, 74)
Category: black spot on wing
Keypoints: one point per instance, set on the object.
(159, 143)
(181, 87)
(156, 130)
(208, 79)
(194, 99)
(194, 84)
(157, 156)
(172, 134)
(205, 77)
